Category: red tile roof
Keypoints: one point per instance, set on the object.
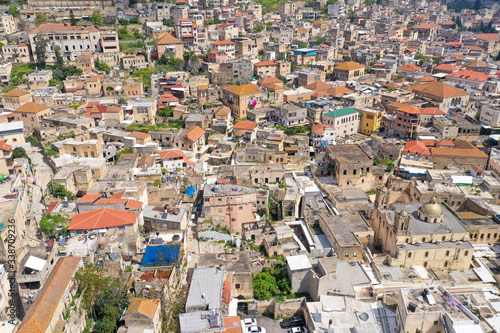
(265, 63)
(195, 133)
(434, 111)
(409, 68)
(416, 147)
(446, 143)
(91, 197)
(319, 128)
(470, 75)
(43, 309)
(245, 125)
(134, 204)
(166, 155)
(446, 67)
(101, 219)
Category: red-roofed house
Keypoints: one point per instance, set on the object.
(105, 218)
(416, 150)
(265, 68)
(409, 70)
(246, 130)
(407, 121)
(225, 46)
(471, 78)
(444, 68)
(322, 135)
(186, 31)
(191, 139)
(173, 159)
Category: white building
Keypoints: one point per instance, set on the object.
(336, 10)
(344, 121)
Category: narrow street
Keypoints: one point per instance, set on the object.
(43, 175)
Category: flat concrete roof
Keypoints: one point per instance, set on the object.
(298, 262)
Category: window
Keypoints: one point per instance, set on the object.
(409, 254)
(447, 253)
(426, 255)
(237, 286)
(466, 253)
(345, 172)
(347, 254)
(219, 199)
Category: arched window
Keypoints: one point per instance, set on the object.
(426, 255)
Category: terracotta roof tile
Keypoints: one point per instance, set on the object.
(244, 89)
(41, 312)
(101, 219)
(245, 125)
(167, 155)
(416, 147)
(16, 93)
(31, 107)
(144, 306)
(195, 133)
(91, 197)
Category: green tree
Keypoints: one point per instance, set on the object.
(96, 17)
(40, 19)
(59, 58)
(320, 40)
(90, 280)
(40, 51)
(14, 11)
(19, 152)
(104, 67)
(59, 191)
(72, 17)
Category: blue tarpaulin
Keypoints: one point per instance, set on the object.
(324, 144)
(161, 255)
(190, 190)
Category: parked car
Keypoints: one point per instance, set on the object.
(256, 329)
(247, 323)
(292, 322)
(298, 329)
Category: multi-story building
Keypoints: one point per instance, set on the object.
(143, 110)
(426, 234)
(265, 68)
(186, 31)
(7, 25)
(240, 99)
(170, 45)
(230, 206)
(289, 114)
(322, 135)
(16, 53)
(87, 148)
(31, 114)
(442, 95)
(308, 77)
(225, 46)
(73, 40)
(344, 121)
(348, 70)
(351, 166)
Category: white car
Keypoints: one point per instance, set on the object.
(256, 329)
(298, 330)
(247, 323)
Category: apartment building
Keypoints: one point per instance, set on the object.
(225, 46)
(73, 40)
(240, 99)
(229, 205)
(344, 121)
